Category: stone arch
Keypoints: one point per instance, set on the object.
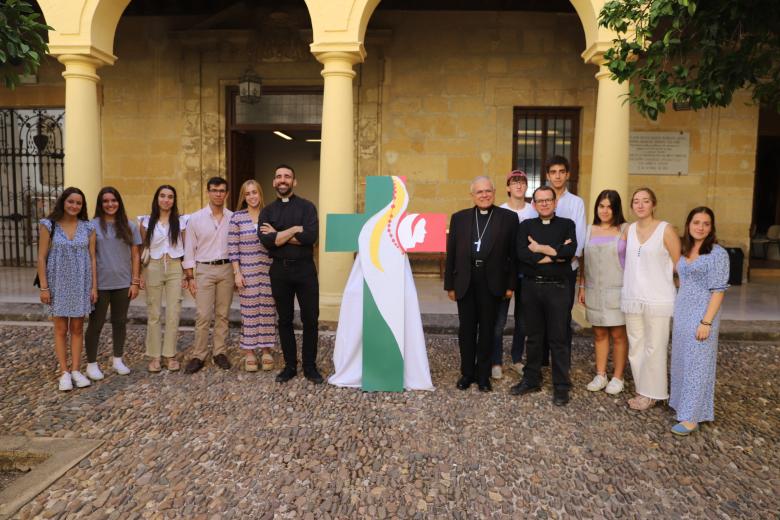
(339, 22)
(83, 26)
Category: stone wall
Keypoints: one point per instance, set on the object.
(721, 168)
(433, 101)
(450, 84)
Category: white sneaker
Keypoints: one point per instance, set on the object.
(93, 372)
(120, 367)
(65, 382)
(495, 372)
(598, 383)
(615, 386)
(517, 367)
(79, 379)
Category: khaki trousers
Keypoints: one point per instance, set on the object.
(162, 277)
(215, 292)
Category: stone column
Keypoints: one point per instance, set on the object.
(337, 170)
(610, 140)
(83, 161)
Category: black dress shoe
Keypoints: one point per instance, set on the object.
(193, 365)
(464, 383)
(222, 361)
(485, 387)
(313, 375)
(286, 374)
(523, 388)
(560, 397)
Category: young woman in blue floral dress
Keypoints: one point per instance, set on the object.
(704, 277)
(68, 281)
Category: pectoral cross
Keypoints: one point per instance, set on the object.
(478, 243)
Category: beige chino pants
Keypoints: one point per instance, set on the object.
(162, 278)
(215, 292)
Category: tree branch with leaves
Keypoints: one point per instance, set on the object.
(694, 52)
(22, 43)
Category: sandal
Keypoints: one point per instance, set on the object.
(641, 403)
(172, 364)
(154, 365)
(268, 361)
(250, 363)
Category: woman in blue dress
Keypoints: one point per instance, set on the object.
(68, 281)
(704, 273)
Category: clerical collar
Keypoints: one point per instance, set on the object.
(286, 199)
(546, 221)
(484, 211)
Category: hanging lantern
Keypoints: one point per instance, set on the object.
(250, 87)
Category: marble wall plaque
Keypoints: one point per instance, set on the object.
(658, 153)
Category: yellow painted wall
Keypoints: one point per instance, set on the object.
(450, 84)
(721, 168)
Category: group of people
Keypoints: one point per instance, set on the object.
(265, 252)
(545, 255)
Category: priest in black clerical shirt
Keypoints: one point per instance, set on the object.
(288, 229)
(545, 247)
(480, 271)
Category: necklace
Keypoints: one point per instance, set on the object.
(478, 242)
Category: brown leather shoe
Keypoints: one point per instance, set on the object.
(193, 365)
(222, 361)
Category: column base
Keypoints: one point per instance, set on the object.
(330, 306)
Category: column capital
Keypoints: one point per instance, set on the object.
(595, 53)
(338, 62)
(87, 51)
(354, 52)
(80, 66)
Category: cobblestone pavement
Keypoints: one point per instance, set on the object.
(237, 445)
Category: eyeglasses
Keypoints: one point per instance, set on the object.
(544, 201)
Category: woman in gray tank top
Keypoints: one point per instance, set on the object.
(600, 283)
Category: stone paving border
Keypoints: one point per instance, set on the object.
(61, 455)
(730, 330)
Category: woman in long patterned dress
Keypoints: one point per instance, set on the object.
(704, 275)
(68, 281)
(251, 264)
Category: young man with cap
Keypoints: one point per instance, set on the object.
(516, 187)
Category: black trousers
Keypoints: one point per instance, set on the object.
(546, 309)
(572, 277)
(119, 301)
(288, 281)
(477, 312)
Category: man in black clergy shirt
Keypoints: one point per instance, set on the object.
(545, 247)
(480, 271)
(289, 229)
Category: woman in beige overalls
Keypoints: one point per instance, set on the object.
(601, 280)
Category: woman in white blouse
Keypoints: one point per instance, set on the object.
(163, 242)
(652, 251)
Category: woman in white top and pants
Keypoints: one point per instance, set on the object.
(648, 294)
(163, 275)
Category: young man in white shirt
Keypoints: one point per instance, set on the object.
(516, 186)
(572, 207)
